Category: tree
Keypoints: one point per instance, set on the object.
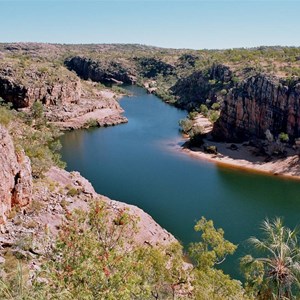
(210, 282)
(95, 257)
(275, 275)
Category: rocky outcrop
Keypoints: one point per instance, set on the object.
(202, 87)
(150, 67)
(259, 103)
(55, 93)
(149, 232)
(15, 176)
(100, 109)
(187, 60)
(100, 71)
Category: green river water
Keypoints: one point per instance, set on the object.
(141, 163)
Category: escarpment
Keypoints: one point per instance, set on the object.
(150, 67)
(202, 87)
(257, 104)
(15, 176)
(251, 102)
(100, 71)
(37, 85)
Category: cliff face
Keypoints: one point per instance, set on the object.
(110, 71)
(259, 103)
(24, 95)
(15, 176)
(201, 86)
(150, 67)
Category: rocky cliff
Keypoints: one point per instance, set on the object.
(15, 176)
(109, 71)
(37, 87)
(150, 67)
(259, 103)
(202, 86)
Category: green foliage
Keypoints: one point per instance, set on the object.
(73, 192)
(216, 106)
(223, 92)
(6, 113)
(119, 90)
(91, 123)
(192, 115)
(94, 258)
(6, 116)
(276, 274)
(37, 110)
(32, 133)
(186, 125)
(214, 116)
(283, 137)
(204, 109)
(196, 136)
(212, 250)
(40, 141)
(42, 147)
(13, 285)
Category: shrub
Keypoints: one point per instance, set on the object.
(91, 123)
(216, 106)
(6, 115)
(213, 116)
(186, 125)
(94, 258)
(204, 109)
(223, 92)
(192, 115)
(72, 192)
(283, 137)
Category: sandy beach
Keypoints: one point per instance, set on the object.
(244, 157)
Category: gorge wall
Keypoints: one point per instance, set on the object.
(259, 103)
(15, 176)
(100, 71)
(251, 102)
(23, 95)
(202, 86)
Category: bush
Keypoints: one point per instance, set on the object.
(6, 115)
(223, 92)
(192, 115)
(39, 141)
(72, 191)
(94, 258)
(204, 109)
(213, 116)
(216, 106)
(91, 123)
(283, 137)
(186, 125)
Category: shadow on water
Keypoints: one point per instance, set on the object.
(140, 163)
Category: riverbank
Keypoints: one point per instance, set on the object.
(243, 157)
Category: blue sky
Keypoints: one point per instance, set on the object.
(168, 23)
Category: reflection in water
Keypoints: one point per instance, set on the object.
(137, 163)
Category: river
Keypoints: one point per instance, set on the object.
(141, 163)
